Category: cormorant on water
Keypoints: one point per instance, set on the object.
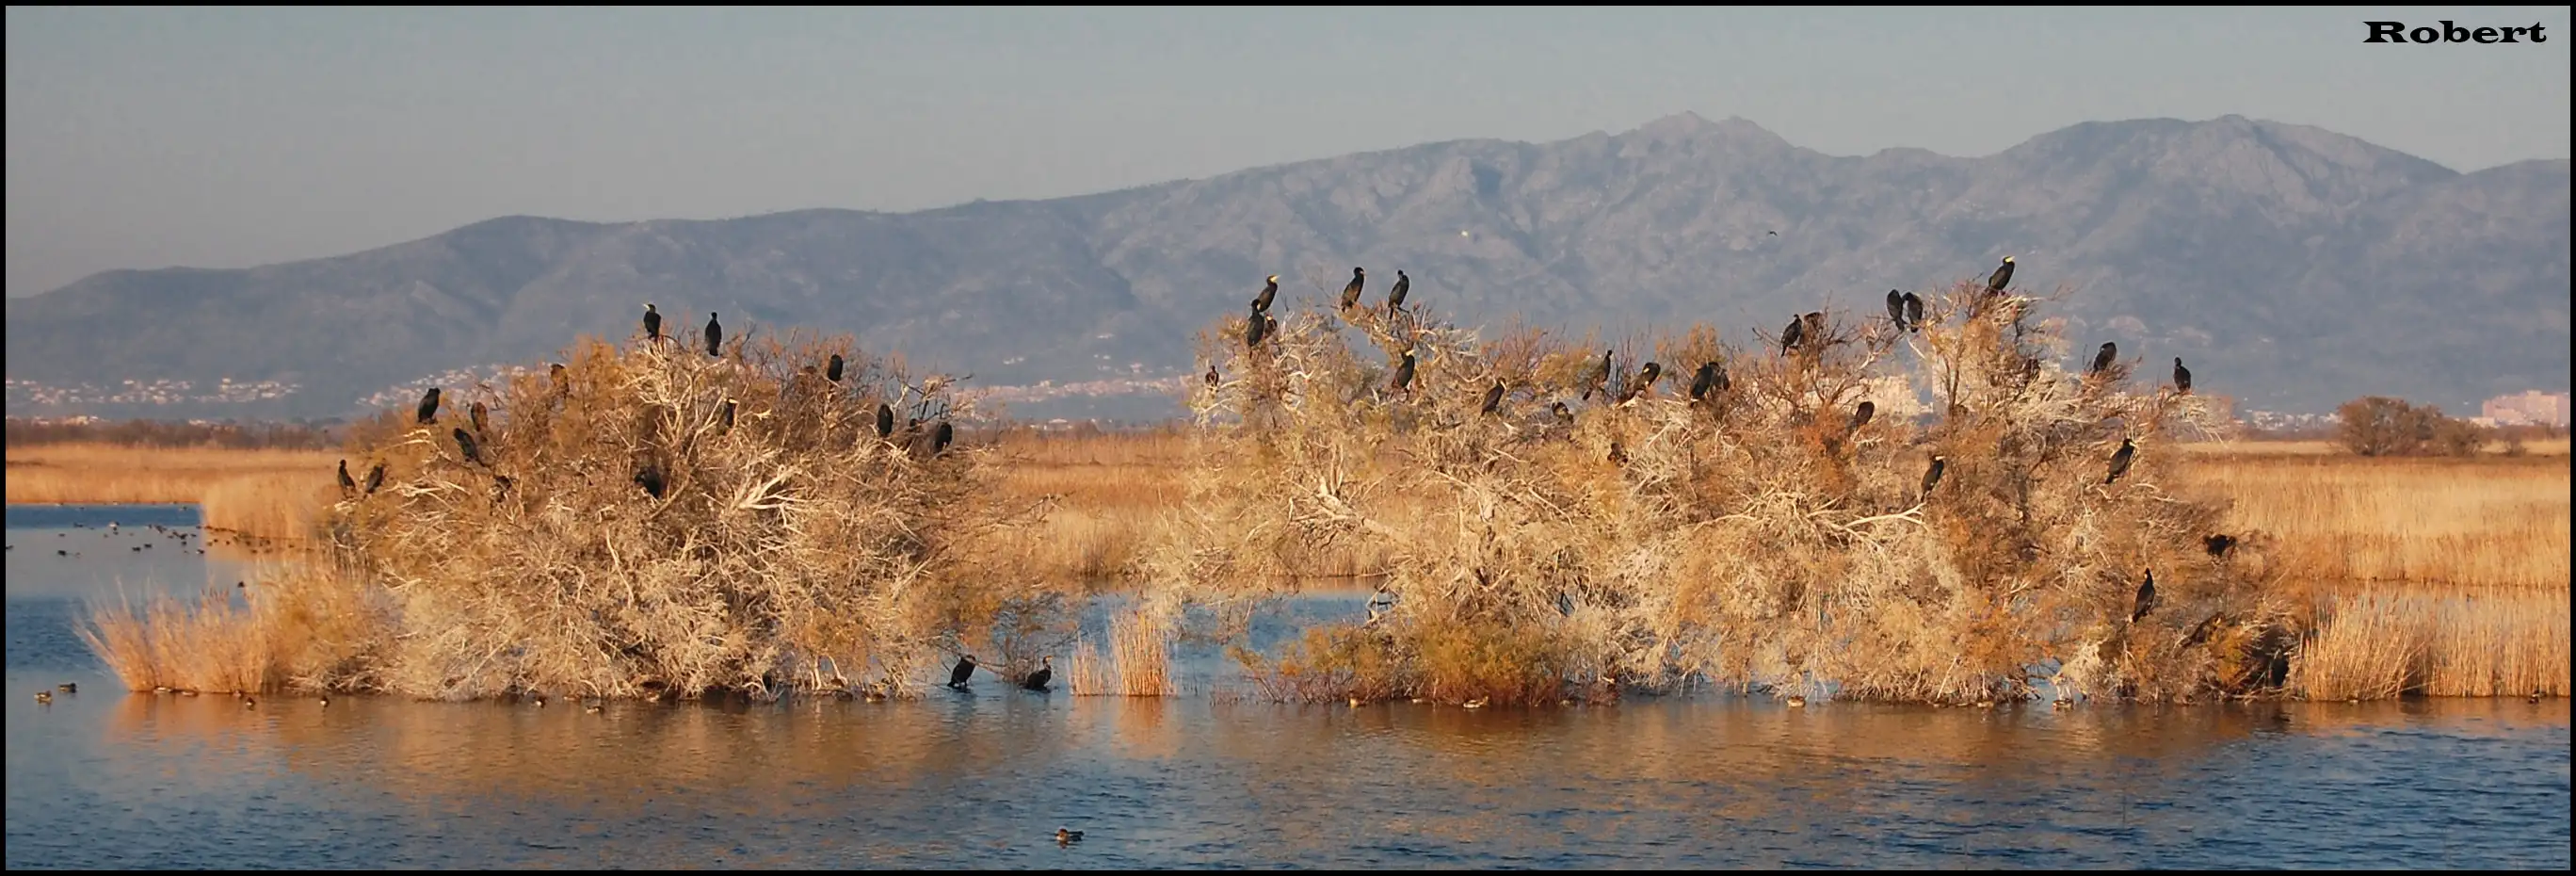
(2120, 459)
(2002, 277)
(2146, 598)
(2182, 377)
(832, 369)
(1932, 475)
(1261, 303)
(348, 485)
(1351, 293)
(1037, 681)
(465, 443)
(429, 406)
(1395, 296)
(2102, 360)
(1789, 337)
(965, 669)
(652, 323)
(715, 336)
(1599, 379)
(375, 478)
(1493, 398)
(1913, 312)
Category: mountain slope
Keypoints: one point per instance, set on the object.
(2292, 266)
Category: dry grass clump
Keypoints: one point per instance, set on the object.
(1755, 535)
(303, 627)
(2437, 642)
(1138, 664)
(518, 542)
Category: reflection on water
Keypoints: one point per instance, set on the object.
(108, 779)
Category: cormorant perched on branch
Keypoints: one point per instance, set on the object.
(1599, 378)
(348, 485)
(2146, 598)
(650, 479)
(1404, 372)
(481, 417)
(885, 420)
(1395, 296)
(1704, 381)
(2120, 459)
(429, 406)
(1564, 415)
(965, 670)
(2218, 545)
(1932, 475)
(1913, 312)
(1037, 681)
(727, 423)
(2182, 377)
(1896, 309)
(1789, 337)
(940, 437)
(1255, 328)
(1270, 290)
(832, 369)
(2002, 277)
(2102, 360)
(652, 323)
(465, 443)
(1212, 377)
(375, 478)
(1860, 416)
(1493, 399)
(715, 336)
(1644, 382)
(1351, 293)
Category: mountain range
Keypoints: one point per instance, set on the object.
(2293, 267)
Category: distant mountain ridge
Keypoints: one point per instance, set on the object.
(2294, 267)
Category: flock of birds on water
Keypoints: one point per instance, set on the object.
(1904, 312)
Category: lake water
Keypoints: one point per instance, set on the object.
(104, 778)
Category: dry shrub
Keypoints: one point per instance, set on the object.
(1752, 536)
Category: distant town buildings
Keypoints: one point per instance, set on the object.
(2529, 408)
(147, 392)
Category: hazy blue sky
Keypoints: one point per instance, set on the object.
(229, 138)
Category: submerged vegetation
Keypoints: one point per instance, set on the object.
(1541, 521)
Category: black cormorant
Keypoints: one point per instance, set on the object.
(1404, 372)
(2146, 598)
(429, 406)
(940, 437)
(1269, 290)
(2102, 360)
(832, 369)
(1644, 382)
(1395, 295)
(1618, 455)
(1932, 475)
(2002, 276)
(1493, 398)
(1704, 381)
(1913, 312)
(727, 424)
(1896, 309)
(965, 670)
(650, 479)
(465, 444)
(375, 478)
(2218, 545)
(348, 485)
(481, 417)
(1270, 326)
(1860, 416)
(885, 420)
(1038, 680)
(715, 336)
(1351, 293)
(1254, 328)
(2120, 460)
(1790, 336)
(1564, 415)
(652, 323)
(1599, 379)
(2182, 376)
(1212, 376)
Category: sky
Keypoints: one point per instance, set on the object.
(200, 137)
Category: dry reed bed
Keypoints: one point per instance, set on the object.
(2496, 522)
(269, 493)
(2466, 642)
